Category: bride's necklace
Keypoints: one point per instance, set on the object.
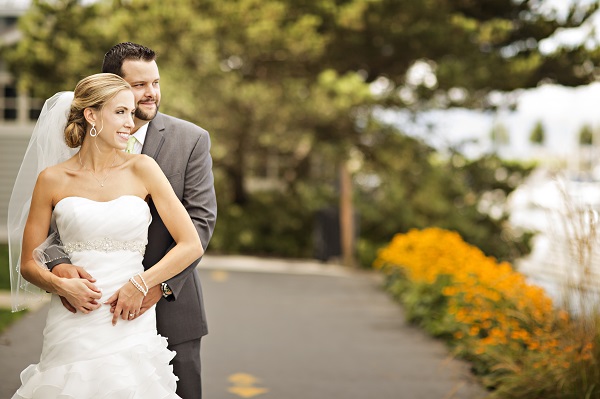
(101, 182)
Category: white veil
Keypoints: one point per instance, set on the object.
(46, 148)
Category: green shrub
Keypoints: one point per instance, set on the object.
(269, 224)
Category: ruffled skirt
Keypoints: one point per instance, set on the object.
(85, 357)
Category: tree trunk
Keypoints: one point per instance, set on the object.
(240, 196)
(346, 216)
(238, 171)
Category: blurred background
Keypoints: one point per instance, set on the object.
(336, 124)
(452, 144)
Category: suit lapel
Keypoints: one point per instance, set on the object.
(154, 136)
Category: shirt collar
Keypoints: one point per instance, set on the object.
(140, 135)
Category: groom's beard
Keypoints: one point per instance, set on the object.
(146, 116)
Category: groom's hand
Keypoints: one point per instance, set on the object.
(151, 299)
(67, 270)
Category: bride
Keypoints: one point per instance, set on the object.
(96, 199)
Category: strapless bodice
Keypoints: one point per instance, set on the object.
(107, 238)
(85, 224)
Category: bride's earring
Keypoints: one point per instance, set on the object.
(93, 131)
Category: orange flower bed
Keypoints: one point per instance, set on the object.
(498, 319)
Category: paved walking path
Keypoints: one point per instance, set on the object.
(285, 329)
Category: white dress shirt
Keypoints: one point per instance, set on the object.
(140, 136)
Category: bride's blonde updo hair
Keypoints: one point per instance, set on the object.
(91, 92)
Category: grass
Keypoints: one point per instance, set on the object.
(4, 270)
(7, 317)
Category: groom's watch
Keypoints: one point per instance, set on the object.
(166, 290)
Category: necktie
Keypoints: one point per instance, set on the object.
(130, 144)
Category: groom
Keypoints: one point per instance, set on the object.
(182, 151)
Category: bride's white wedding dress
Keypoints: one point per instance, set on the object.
(84, 355)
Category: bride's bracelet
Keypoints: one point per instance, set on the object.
(143, 281)
(138, 285)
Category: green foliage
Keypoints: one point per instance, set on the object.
(538, 133)
(499, 135)
(586, 135)
(60, 38)
(473, 45)
(402, 184)
(293, 80)
(426, 307)
(270, 224)
(484, 223)
(419, 188)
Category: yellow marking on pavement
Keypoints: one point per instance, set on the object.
(219, 275)
(244, 385)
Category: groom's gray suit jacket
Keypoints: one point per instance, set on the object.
(182, 151)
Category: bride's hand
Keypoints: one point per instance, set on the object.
(68, 270)
(125, 303)
(80, 293)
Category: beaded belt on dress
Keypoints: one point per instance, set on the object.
(106, 245)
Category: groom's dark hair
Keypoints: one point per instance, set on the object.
(114, 58)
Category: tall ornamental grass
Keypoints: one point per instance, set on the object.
(518, 341)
